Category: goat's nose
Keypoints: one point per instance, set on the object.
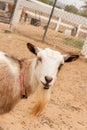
(48, 79)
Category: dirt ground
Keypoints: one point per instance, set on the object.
(67, 109)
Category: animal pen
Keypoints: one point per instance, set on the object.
(34, 14)
(67, 109)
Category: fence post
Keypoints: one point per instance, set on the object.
(17, 13)
(49, 20)
(6, 7)
(58, 24)
(78, 30)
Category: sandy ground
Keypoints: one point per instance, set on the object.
(67, 109)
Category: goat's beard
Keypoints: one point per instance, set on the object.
(43, 96)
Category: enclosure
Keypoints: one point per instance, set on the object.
(67, 109)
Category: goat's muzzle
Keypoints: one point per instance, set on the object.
(46, 85)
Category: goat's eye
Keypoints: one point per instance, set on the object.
(39, 59)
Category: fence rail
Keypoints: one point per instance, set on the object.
(79, 21)
(61, 14)
(36, 5)
(58, 22)
(7, 1)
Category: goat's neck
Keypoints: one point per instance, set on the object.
(30, 80)
(33, 81)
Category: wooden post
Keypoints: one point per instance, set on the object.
(58, 24)
(6, 7)
(17, 13)
(78, 30)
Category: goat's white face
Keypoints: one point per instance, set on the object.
(47, 63)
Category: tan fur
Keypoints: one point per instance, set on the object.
(26, 72)
(43, 96)
(7, 83)
(10, 89)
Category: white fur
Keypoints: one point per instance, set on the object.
(39, 69)
(51, 60)
(34, 71)
(35, 76)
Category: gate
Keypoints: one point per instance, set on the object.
(6, 10)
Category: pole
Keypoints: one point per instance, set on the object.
(44, 35)
(16, 13)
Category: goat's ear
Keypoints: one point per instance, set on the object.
(69, 57)
(32, 48)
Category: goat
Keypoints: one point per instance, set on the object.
(23, 77)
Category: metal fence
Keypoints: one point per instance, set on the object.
(60, 19)
(34, 20)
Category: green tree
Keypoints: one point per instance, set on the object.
(58, 7)
(71, 8)
(46, 1)
(84, 11)
(85, 6)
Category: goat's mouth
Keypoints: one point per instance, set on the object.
(46, 85)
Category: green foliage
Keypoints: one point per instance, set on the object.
(85, 6)
(74, 42)
(83, 13)
(58, 7)
(71, 8)
(46, 1)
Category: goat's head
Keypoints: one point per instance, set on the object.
(47, 64)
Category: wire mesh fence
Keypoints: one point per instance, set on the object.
(34, 22)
